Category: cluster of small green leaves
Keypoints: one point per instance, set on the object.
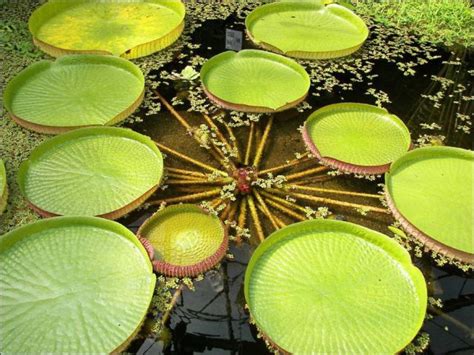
(436, 21)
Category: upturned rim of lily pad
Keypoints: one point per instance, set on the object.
(34, 69)
(390, 246)
(24, 232)
(430, 242)
(306, 5)
(168, 268)
(63, 138)
(3, 187)
(249, 54)
(345, 166)
(53, 7)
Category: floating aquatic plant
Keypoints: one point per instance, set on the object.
(321, 286)
(3, 187)
(184, 240)
(429, 190)
(74, 91)
(356, 138)
(306, 29)
(254, 81)
(80, 284)
(118, 27)
(239, 188)
(103, 171)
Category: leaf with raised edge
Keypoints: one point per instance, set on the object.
(3, 187)
(332, 287)
(74, 91)
(100, 171)
(184, 240)
(356, 138)
(306, 29)
(124, 28)
(72, 285)
(254, 81)
(430, 191)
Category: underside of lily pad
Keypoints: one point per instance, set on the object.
(184, 240)
(306, 29)
(322, 286)
(356, 138)
(80, 284)
(429, 190)
(129, 29)
(103, 171)
(254, 81)
(3, 188)
(74, 91)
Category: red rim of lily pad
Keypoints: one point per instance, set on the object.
(168, 268)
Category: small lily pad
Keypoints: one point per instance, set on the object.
(130, 29)
(306, 29)
(74, 91)
(429, 190)
(254, 81)
(332, 287)
(184, 240)
(79, 284)
(356, 138)
(3, 187)
(101, 171)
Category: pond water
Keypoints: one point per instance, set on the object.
(212, 319)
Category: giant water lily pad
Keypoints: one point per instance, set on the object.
(71, 285)
(3, 187)
(74, 91)
(254, 81)
(184, 240)
(124, 28)
(331, 287)
(356, 138)
(306, 29)
(103, 171)
(430, 191)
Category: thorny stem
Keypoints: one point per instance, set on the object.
(286, 210)
(189, 159)
(289, 204)
(173, 302)
(263, 141)
(330, 201)
(255, 218)
(235, 143)
(185, 177)
(249, 143)
(304, 158)
(187, 198)
(225, 211)
(305, 173)
(216, 202)
(242, 217)
(217, 131)
(199, 182)
(171, 109)
(186, 172)
(265, 209)
(331, 191)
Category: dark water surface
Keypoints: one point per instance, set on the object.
(212, 320)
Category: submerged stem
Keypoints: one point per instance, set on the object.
(263, 141)
(187, 198)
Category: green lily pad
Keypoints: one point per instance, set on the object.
(3, 187)
(429, 190)
(254, 81)
(306, 29)
(103, 171)
(124, 28)
(184, 240)
(72, 285)
(332, 287)
(356, 138)
(74, 91)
